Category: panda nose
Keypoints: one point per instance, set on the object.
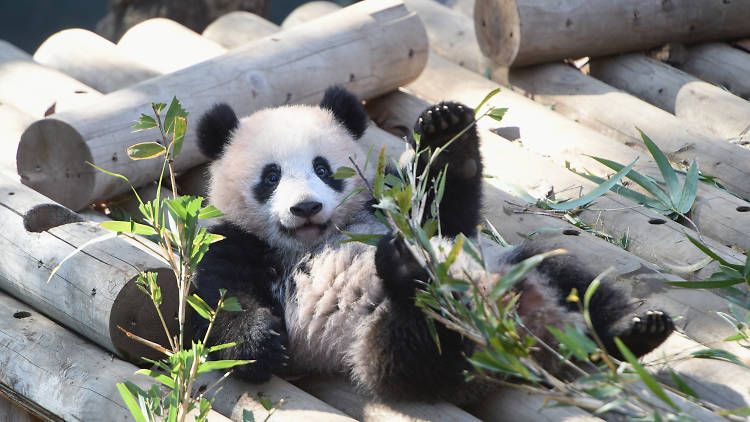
(306, 209)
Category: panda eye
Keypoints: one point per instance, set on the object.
(322, 171)
(271, 178)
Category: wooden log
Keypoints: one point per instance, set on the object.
(55, 371)
(719, 382)
(92, 60)
(12, 411)
(510, 405)
(37, 90)
(342, 395)
(743, 44)
(291, 403)
(717, 214)
(12, 124)
(370, 47)
(451, 34)
(236, 28)
(94, 291)
(166, 46)
(524, 32)
(698, 104)
(720, 64)
(308, 12)
(464, 7)
(661, 244)
(616, 114)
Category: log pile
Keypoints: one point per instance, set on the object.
(75, 99)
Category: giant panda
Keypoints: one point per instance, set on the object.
(314, 303)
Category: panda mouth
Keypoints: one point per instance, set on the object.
(304, 229)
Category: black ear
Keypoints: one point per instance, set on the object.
(215, 128)
(347, 109)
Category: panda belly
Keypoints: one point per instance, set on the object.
(333, 295)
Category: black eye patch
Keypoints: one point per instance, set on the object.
(269, 179)
(323, 171)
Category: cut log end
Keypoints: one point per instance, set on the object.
(43, 217)
(52, 158)
(498, 28)
(134, 312)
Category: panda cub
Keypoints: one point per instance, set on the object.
(312, 303)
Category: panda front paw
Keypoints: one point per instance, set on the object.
(260, 337)
(646, 331)
(441, 123)
(398, 268)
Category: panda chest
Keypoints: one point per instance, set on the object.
(335, 292)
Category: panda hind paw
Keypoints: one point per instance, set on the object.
(647, 331)
(441, 122)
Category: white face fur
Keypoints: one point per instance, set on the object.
(274, 178)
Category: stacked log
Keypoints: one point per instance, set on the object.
(525, 32)
(12, 124)
(237, 28)
(699, 104)
(100, 134)
(720, 64)
(92, 60)
(52, 91)
(172, 46)
(308, 12)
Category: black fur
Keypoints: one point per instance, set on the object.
(328, 179)
(347, 109)
(247, 268)
(264, 188)
(462, 201)
(215, 129)
(612, 312)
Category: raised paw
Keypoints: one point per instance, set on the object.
(647, 331)
(261, 338)
(441, 122)
(398, 268)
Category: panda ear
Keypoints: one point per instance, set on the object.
(215, 129)
(347, 109)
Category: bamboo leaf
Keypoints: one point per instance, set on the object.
(644, 375)
(209, 212)
(706, 250)
(213, 365)
(131, 402)
(144, 122)
(639, 179)
(682, 385)
(200, 306)
(497, 113)
(594, 193)
(705, 284)
(344, 173)
(717, 354)
(484, 101)
(163, 379)
(665, 168)
(231, 304)
(689, 190)
(178, 134)
(128, 227)
(146, 150)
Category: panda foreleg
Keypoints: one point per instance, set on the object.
(462, 199)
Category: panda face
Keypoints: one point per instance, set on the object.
(275, 177)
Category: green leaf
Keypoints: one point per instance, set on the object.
(639, 179)
(594, 193)
(231, 304)
(368, 239)
(131, 402)
(109, 173)
(379, 182)
(175, 123)
(265, 402)
(689, 190)
(682, 385)
(484, 101)
(344, 173)
(128, 227)
(665, 168)
(214, 365)
(497, 113)
(644, 375)
(517, 272)
(144, 122)
(575, 342)
(218, 347)
(705, 284)
(146, 150)
(163, 379)
(200, 306)
(717, 354)
(208, 212)
(158, 107)
(178, 134)
(707, 251)
(740, 411)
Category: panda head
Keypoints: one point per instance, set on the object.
(272, 173)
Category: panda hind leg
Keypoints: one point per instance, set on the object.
(461, 202)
